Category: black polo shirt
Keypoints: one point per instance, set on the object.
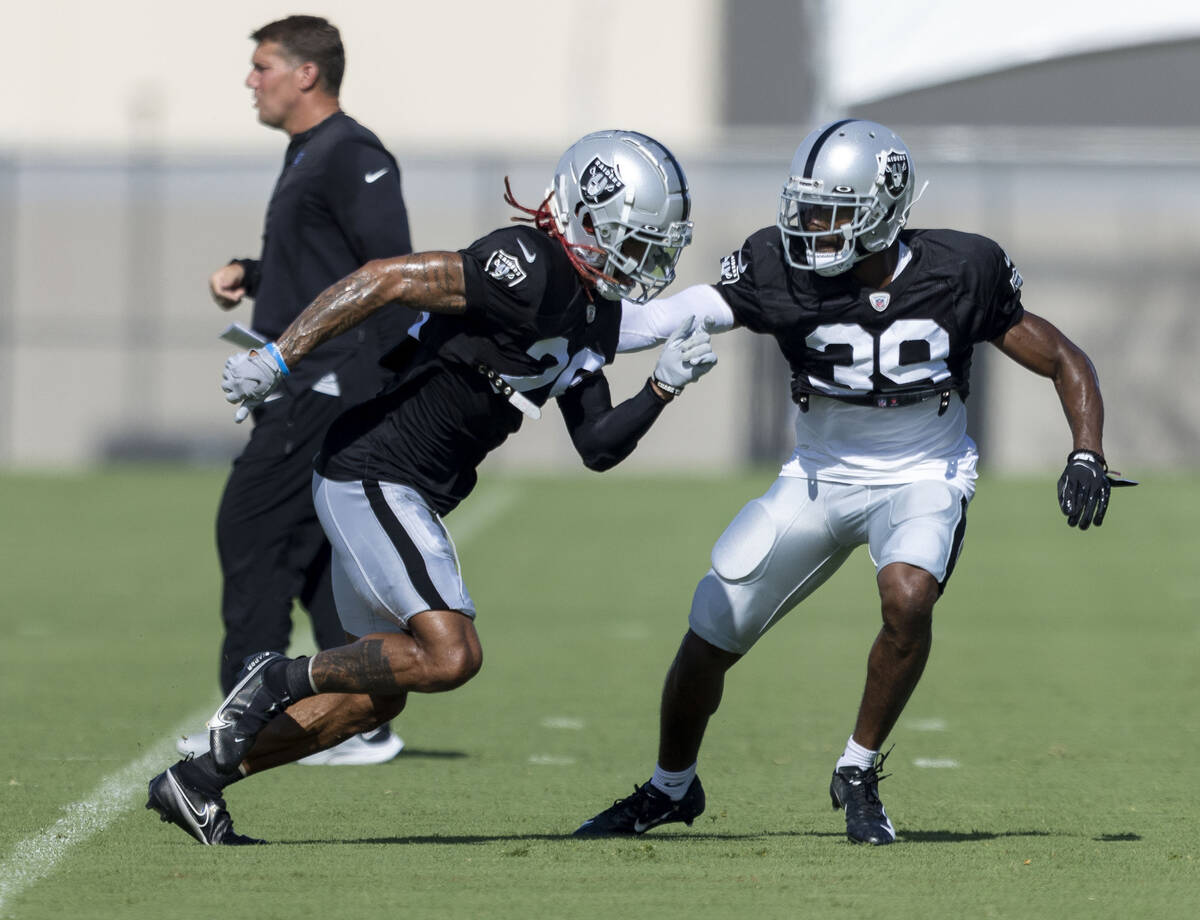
(336, 205)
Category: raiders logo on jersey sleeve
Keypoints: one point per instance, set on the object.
(1014, 280)
(732, 267)
(505, 267)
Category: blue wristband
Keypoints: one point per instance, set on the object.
(271, 349)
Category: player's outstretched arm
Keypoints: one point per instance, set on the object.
(647, 325)
(1083, 488)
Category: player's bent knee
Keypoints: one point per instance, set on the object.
(907, 591)
(713, 617)
(456, 665)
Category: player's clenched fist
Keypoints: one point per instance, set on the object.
(250, 377)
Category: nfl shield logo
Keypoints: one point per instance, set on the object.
(880, 300)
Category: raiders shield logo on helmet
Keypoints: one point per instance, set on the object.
(504, 266)
(599, 182)
(895, 171)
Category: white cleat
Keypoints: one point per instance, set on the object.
(378, 746)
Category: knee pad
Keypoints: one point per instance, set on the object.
(743, 550)
(713, 617)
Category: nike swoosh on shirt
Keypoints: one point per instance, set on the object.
(529, 256)
(372, 176)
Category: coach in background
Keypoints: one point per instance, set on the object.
(337, 204)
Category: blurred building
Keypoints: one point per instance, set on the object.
(1077, 151)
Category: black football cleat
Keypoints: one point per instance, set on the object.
(646, 808)
(187, 807)
(857, 791)
(249, 706)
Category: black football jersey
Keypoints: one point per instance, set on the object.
(884, 347)
(528, 319)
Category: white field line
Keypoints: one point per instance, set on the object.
(928, 725)
(36, 857)
(568, 723)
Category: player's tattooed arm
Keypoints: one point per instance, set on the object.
(431, 281)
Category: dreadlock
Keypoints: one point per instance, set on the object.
(542, 218)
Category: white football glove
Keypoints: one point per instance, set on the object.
(250, 377)
(686, 357)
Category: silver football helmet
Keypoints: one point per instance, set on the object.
(620, 201)
(848, 196)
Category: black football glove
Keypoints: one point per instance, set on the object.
(1083, 489)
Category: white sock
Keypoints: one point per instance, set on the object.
(856, 755)
(673, 784)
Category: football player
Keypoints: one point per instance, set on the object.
(523, 315)
(878, 324)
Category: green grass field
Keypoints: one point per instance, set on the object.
(1063, 688)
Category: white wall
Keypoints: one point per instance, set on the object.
(529, 74)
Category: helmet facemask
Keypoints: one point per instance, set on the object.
(824, 233)
(636, 263)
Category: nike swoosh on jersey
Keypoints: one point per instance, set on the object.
(530, 257)
(372, 176)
